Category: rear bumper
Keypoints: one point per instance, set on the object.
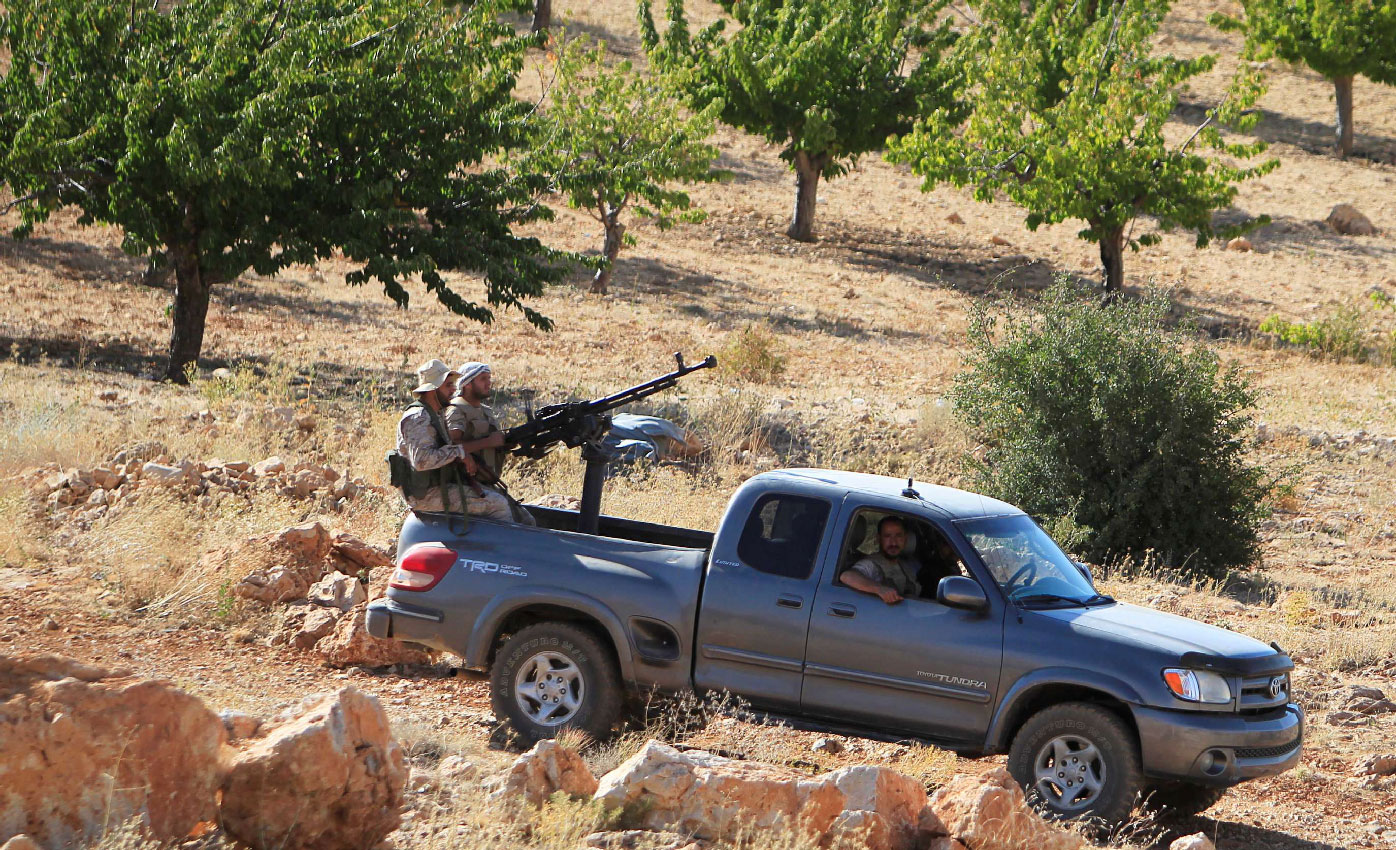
(388, 618)
(1219, 749)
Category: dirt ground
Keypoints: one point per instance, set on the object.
(870, 320)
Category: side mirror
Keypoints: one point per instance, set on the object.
(1085, 571)
(961, 592)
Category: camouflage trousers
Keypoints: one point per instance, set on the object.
(492, 505)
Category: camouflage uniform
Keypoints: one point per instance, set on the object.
(899, 574)
(476, 423)
(418, 441)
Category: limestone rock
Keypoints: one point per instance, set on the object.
(326, 775)
(351, 645)
(318, 623)
(1378, 765)
(82, 747)
(896, 799)
(159, 473)
(990, 811)
(1240, 243)
(543, 771)
(559, 501)
(1347, 220)
(708, 796)
(239, 724)
(832, 746)
(21, 842)
(357, 551)
(270, 466)
(1196, 841)
(337, 590)
(954, 218)
(278, 584)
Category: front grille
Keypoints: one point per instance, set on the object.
(1255, 693)
(1267, 752)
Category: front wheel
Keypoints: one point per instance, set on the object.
(1077, 761)
(554, 676)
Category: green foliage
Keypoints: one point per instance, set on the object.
(826, 79)
(1339, 39)
(1336, 38)
(616, 139)
(234, 134)
(1068, 119)
(1118, 428)
(1346, 332)
(1340, 334)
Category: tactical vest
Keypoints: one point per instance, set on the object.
(417, 483)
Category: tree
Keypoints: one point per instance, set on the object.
(542, 15)
(225, 135)
(828, 79)
(1337, 38)
(1113, 425)
(617, 139)
(1068, 119)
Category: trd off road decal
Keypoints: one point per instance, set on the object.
(491, 567)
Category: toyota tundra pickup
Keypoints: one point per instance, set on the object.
(1009, 649)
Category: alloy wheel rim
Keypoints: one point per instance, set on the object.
(549, 688)
(1069, 773)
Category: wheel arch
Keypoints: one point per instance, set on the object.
(505, 616)
(1044, 690)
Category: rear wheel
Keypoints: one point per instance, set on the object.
(554, 676)
(1077, 761)
(1183, 799)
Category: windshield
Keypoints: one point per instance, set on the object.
(1025, 562)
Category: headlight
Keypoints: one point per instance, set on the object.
(1197, 686)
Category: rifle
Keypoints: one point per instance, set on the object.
(584, 423)
(580, 423)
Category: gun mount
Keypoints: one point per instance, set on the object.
(585, 423)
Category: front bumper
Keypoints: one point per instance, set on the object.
(1219, 749)
(388, 618)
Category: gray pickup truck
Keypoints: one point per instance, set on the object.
(1009, 649)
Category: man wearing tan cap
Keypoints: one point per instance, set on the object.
(437, 478)
(471, 422)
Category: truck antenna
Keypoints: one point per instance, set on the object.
(910, 492)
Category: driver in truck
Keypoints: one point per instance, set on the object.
(887, 575)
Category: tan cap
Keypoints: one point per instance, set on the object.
(431, 375)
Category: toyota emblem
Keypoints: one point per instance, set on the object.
(1277, 686)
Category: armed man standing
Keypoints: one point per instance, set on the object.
(472, 424)
(434, 473)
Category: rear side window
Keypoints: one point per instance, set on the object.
(782, 535)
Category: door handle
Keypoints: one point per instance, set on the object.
(840, 609)
(785, 600)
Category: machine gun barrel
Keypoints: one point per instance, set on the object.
(579, 422)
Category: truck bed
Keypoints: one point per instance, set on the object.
(620, 528)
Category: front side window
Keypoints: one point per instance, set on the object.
(782, 535)
(1025, 562)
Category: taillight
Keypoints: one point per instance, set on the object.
(422, 567)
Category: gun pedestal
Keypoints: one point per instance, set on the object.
(589, 514)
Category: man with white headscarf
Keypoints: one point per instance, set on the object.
(438, 469)
(472, 424)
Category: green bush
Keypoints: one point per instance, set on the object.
(1104, 420)
(1340, 334)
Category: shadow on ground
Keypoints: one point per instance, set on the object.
(1311, 136)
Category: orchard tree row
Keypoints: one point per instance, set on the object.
(228, 135)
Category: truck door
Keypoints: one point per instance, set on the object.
(915, 666)
(757, 597)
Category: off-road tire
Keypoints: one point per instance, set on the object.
(1116, 764)
(601, 693)
(1182, 799)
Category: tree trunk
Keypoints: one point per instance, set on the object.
(1342, 90)
(542, 15)
(190, 311)
(615, 232)
(1112, 261)
(807, 169)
